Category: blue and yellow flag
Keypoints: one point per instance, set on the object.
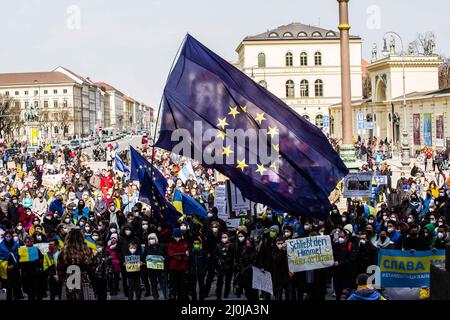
(28, 254)
(187, 205)
(91, 243)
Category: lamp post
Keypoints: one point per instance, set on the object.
(406, 159)
(347, 149)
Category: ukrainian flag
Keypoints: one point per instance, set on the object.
(28, 254)
(369, 211)
(91, 244)
(187, 205)
(3, 269)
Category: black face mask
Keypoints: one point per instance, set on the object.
(383, 239)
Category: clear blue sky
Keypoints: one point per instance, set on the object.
(131, 44)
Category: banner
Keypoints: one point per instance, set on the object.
(381, 180)
(28, 254)
(34, 136)
(416, 128)
(427, 137)
(440, 130)
(51, 180)
(262, 280)
(358, 185)
(11, 165)
(309, 253)
(238, 202)
(185, 172)
(220, 202)
(155, 262)
(406, 269)
(361, 121)
(132, 263)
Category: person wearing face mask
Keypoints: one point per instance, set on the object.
(247, 260)
(49, 267)
(4, 205)
(15, 210)
(35, 223)
(39, 235)
(50, 223)
(197, 270)
(80, 211)
(280, 274)
(57, 206)
(241, 236)
(154, 248)
(269, 218)
(114, 250)
(103, 270)
(40, 206)
(225, 261)
(212, 238)
(126, 237)
(27, 218)
(178, 264)
(32, 273)
(9, 267)
(211, 217)
(100, 207)
(343, 271)
(288, 232)
(88, 201)
(392, 232)
(367, 254)
(415, 240)
(441, 237)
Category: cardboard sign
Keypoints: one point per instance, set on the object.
(381, 180)
(262, 280)
(132, 263)
(155, 262)
(220, 202)
(39, 162)
(358, 185)
(51, 180)
(11, 165)
(309, 253)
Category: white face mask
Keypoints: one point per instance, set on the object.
(66, 230)
(36, 223)
(440, 235)
(341, 240)
(144, 226)
(210, 215)
(152, 241)
(390, 230)
(287, 234)
(344, 219)
(100, 249)
(19, 228)
(87, 229)
(127, 232)
(81, 224)
(183, 228)
(132, 251)
(362, 242)
(113, 230)
(215, 230)
(95, 238)
(67, 220)
(307, 227)
(16, 239)
(410, 220)
(241, 239)
(39, 238)
(224, 240)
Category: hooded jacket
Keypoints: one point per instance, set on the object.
(364, 293)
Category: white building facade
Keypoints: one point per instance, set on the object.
(300, 64)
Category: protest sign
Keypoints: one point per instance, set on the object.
(28, 254)
(406, 269)
(309, 253)
(155, 262)
(51, 180)
(262, 280)
(11, 165)
(358, 185)
(238, 202)
(132, 263)
(185, 172)
(43, 247)
(39, 162)
(380, 180)
(220, 201)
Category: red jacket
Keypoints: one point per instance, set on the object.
(27, 220)
(176, 252)
(106, 183)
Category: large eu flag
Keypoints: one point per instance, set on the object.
(205, 93)
(153, 187)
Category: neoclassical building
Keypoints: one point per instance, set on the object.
(382, 115)
(301, 65)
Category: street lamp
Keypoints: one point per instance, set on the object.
(406, 159)
(253, 74)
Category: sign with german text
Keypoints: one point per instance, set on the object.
(309, 253)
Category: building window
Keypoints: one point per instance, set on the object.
(56, 130)
(302, 34)
(65, 103)
(289, 60)
(17, 104)
(306, 117)
(25, 92)
(45, 104)
(64, 90)
(317, 34)
(304, 88)
(16, 93)
(55, 91)
(290, 89)
(303, 59)
(273, 35)
(7, 93)
(55, 103)
(319, 121)
(27, 104)
(318, 59)
(331, 34)
(261, 60)
(263, 84)
(319, 88)
(36, 104)
(288, 35)
(36, 92)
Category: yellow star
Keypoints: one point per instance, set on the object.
(276, 147)
(260, 117)
(272, 131)
(223, 123)
(261, 169)
(244, 109)
(241, 165)
(274, 166)
(233, 112)
(226, 151)
(221, 134)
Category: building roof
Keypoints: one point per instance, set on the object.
(297, 31)
(107, 87)
(30, 78)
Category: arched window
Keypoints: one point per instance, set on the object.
(289, 60)
(273, 35)
(319, 121)
(304, 88)
(290, 89)
(261, 60)
(288, 35)
(331, 34)
(263, 84)
(303, 59)
(306, 117)
(318, 88)
(302, 34)
(318, 58)
(317, 34)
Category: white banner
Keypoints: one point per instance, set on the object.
(220, 202)
(309, 253)
(262, 280)
(238, 202)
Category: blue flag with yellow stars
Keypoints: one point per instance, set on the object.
(153, 187)
(214, 113)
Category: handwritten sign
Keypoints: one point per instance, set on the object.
(380, 180)
(51, 180)
(220, 202)
(155, 262)
(132, 263)
(11, 165)
(262, 280)
(309, 253)
(358, 185)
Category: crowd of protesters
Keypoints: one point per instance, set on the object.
(94, 219)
